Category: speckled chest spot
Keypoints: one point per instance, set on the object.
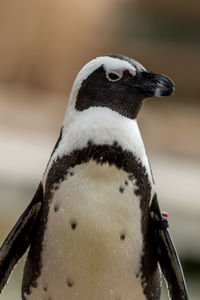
(93, 241)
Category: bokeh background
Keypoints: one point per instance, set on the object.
(44, 43)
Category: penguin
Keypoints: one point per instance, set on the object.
(94, 230)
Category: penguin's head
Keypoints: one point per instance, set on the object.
(119, 83)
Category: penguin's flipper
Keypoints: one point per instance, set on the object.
(167, 255)
(19, 238)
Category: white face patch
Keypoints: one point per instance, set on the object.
(109, 63)
(116, 74)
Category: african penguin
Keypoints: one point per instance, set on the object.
(88, 225)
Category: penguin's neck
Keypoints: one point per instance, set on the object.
(101, 126)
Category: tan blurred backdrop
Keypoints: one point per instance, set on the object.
(43, 44)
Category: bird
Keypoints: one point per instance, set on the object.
(94, 229)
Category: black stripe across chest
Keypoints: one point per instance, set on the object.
(113, 155)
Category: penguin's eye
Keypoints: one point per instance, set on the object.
(113, 76)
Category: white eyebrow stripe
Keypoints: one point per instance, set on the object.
(121, 70)
(109, 63)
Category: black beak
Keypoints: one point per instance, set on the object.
(151, 84)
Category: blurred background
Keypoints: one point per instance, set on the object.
(43, 44)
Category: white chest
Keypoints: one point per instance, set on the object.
(93, 241)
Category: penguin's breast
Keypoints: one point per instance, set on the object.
(93, 240)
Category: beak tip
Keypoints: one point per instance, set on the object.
(162, 92)
(165, 90)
